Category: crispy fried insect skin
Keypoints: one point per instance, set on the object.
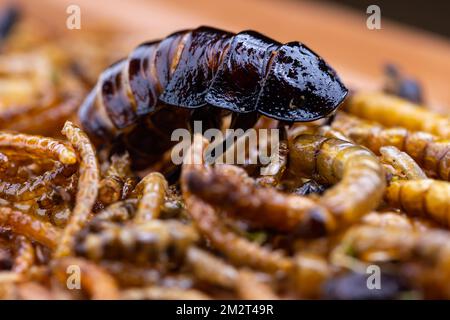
(398, 220)
(87, 187)
(356, 175)
(430, 152)
(392, 111)
(425, 198)
(194, 74)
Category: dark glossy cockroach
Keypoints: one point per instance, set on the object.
(194, 75)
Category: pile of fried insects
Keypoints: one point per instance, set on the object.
(368, 186)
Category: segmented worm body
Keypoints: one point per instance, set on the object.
(404, 166)
(153, 189)
(430, 152)
(30, 227)
(36, 186)
(392, 111)
(116, 180)
(203, 71)
(357, 177)
(38, 146)
(210, 225)
(152, 241)
(425, 198)
(261, 207)
(87, 187)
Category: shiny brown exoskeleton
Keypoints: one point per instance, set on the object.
(195, 75)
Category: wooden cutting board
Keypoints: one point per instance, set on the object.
(339, 35)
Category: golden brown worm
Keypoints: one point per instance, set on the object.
(153, 189)
(35, 187)
(87, 187)
(403, 164)
(119, 211)
(425, 198)
(392, 111)
(38, 146)
(30, 227)
(263, 207)
(356, 175)
(238, 249)
(151, 241)
(430, 152)
(114, 181)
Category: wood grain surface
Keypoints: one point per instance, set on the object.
(339, 35)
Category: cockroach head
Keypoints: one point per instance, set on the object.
(300, 86)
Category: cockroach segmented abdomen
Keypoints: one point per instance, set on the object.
(193, 74)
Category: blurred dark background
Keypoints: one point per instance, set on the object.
(430, 15)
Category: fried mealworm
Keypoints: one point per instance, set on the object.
(155, 240)
(36, 186)
(237, 249)
(356, 174)
(30, 227)
(398, 220)
(430, 152)
(95, 281)
(392, 111)
(329, 132)
(24, 254)
(87, 187)
(403, 164)
(263, 207)
(162, 293)
(365, 243)
(209, 268)
(39, 146)
(112, 185)
(119, 211)
(425, 255)
(152, 190)
(425, 198)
